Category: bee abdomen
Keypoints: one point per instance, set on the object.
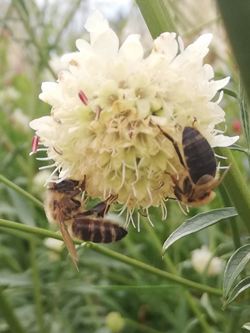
(198, 154)
(97, 230)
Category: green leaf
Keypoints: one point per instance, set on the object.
(199, 222)
(157, 16)
(23, 209)
(234, 267)
(245, 117)
(235, 15)
(238, 289)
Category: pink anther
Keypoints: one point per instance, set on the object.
(83, 97)
(34, 145)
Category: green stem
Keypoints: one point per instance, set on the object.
(199, 315)
(140, 327)
(18, 189)
(30, 32)
(36, 288)
(156, 16)
(155, 240)
(117, 256)
(193, 305)
(236, 188)
(9, 315)
(232, 220)
(67, 21)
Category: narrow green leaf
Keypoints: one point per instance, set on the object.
(236, 15)
(238, 289)
(234, 267)
(245, 120)
(245, 117)
(199, 222)
(157, 16)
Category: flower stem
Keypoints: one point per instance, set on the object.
(36, 287)
(30, 32)
(117, 256)
(9, 315)
(232, 220)
(189, 298)
(199, 315)
(18, 189)
(67, 21)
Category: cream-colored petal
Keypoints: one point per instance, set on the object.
(131, 50)
(166, 43)
(106, 45)
(223, 140)
(96, 25)
(51, 93)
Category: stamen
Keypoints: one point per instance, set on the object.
(150, 196)
(148, 217)
(83, 97)
(34, 145)
(136, 173)
(123, 175)
(138, 222)
(164, 212)
(132, 219)
(127, 219)
(173, 168)
(181, 208)
(226, 167)
(98, 112)
(130, 214)
(47, 166)
(134, 190)
(43, 158)
(52, 174)
(42, 149)
(123, 209)
(219, 156)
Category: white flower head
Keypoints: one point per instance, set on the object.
(108, 102)
(203, 261)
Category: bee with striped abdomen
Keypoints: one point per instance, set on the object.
(63, 206)
(195, 184)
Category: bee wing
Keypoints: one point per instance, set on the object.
(69, 243)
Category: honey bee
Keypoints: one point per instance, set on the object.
(194, 186)
(63, 206)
